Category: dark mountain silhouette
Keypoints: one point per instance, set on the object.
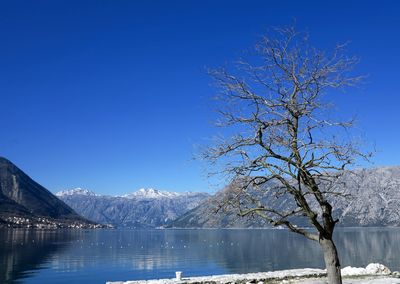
(24, 202)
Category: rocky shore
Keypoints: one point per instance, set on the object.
(373, 273)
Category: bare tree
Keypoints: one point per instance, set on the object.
(283, 142)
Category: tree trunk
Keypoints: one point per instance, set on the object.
(331, 261)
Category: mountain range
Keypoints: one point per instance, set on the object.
(372, 198)
(145, 208)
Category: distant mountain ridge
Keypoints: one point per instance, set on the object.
(24, 202)
(151, 193)
(144, 208)
(142, 193)
(75, 191)
(373, 199)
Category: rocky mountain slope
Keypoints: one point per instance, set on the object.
(25, 203)
(145, 208)
(373, 199)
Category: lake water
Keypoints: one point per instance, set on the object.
(97, 256)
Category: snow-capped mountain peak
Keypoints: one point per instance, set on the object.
(144, 208)
(151, 193)
(76, 191)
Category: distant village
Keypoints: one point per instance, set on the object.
(46, 223)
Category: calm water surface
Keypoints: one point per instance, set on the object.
(97, 256)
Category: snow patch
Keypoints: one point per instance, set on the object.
(151, 193)
(76, 191)
(229, 278)
(143, 193)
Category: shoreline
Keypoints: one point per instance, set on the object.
(373, 273)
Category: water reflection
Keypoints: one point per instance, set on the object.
(359, 247)
(101, 255)
(24, 251)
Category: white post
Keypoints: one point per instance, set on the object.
(178, 275)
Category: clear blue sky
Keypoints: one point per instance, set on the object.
(113, 95)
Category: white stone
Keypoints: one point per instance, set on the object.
(377, 268)
(372, 268)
